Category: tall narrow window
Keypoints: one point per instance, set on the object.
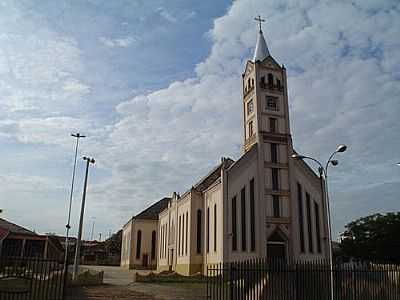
(252, 218)
(186, 233)
(183, 235)
(153, 245)
(165, 240)
(215, 227)
(309, 224)
(262, 82)
(278, 84)
(198, 245)
(317, 227)
(234, 230)
(138, 243)
(179, 235)
(160, 246)
(208, 229)
(272, 125)
(270, 79)
(276, 206)
(250, 107)
(250, 128)
(243, 209)
(274, 153)
(275, 179)
(301, 220)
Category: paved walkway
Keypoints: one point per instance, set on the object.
(122, 280)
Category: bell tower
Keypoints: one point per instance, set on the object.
(266, 126)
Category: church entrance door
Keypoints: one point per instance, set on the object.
(276, 247)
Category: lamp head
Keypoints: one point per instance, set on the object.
(398, 164)
(91, 160)
(297, 156)
(341, 148)
(334, 162)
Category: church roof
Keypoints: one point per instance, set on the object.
(151, 213)
(213, 175)
(261, 52)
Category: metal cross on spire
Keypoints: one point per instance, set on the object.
(258, 19)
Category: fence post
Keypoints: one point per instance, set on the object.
(230, 281)
(65, 279)
(296, 281)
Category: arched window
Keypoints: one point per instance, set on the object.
(251, 128)
(198, 248)
(278, 83)
(138, 243)
(270, 79)
(153, 245)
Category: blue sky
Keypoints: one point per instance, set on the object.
(155, 85)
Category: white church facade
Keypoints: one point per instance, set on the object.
(265, 204)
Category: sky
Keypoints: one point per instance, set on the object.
(155, 87)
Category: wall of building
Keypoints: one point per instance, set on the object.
(239, 176)
(144, 260)
(196, 258)
(310, 184)
(214, 236)
(126, 244)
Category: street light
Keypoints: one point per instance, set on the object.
(324, 171)
(68, 226)
(78, 242)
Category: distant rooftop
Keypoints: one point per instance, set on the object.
(14, 228)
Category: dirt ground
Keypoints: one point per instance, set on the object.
(105, 292)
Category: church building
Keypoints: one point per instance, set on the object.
(264, 204)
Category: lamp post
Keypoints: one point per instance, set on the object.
(324, 171)
(93, 222)
(68, 226)
(78, 241)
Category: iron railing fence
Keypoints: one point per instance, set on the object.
(32, 278)
(278, 280)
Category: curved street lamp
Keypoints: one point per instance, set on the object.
(324, 171)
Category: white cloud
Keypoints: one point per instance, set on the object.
(165, 14)
(47, 131)
(118, 42)
(36, 64)
(73, 85)
(343, 94)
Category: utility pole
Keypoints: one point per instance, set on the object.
(68, 226)
(78, 242)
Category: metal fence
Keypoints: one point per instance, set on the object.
(32, 278)
(276, 280)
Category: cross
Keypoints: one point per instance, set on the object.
(259, 20)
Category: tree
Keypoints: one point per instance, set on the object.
(113, 244)
(375, 237)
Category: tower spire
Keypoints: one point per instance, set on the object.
(261, 51)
